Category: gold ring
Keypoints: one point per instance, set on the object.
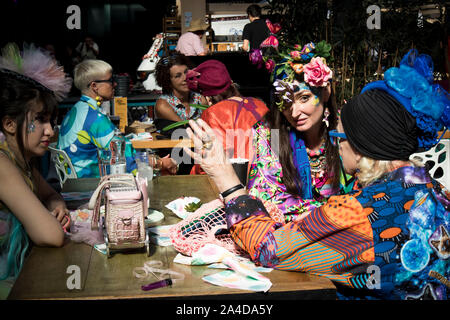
(207, 145)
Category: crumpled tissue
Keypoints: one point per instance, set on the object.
(177, 206)
(241, 275)
(160, 236)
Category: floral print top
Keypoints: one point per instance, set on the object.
(178, 107)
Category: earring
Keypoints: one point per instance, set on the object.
(98, 101)
(31, 127)
(326, 114)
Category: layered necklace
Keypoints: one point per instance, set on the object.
(317, 162)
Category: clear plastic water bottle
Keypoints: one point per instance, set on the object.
(105, 162)
(144, 170)
(117, 147)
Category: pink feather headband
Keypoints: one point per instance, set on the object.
(36, 67)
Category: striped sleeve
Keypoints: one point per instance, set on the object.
(330, 241)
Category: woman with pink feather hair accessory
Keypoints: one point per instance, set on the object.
(31, 211)
(36, 65)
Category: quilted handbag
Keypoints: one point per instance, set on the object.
(125, 201)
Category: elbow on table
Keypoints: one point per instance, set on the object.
(51, 240)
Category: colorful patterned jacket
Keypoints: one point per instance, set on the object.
(83, 131)
(389, 240)
(264, 181)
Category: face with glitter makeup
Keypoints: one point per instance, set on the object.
(37, 131)
(307, 109)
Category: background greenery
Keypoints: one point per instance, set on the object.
(343, 24)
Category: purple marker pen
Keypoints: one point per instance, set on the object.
(157, 284)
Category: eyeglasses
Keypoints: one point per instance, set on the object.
(336, 137)
(110, 80)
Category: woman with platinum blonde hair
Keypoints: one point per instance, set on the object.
(388, 240)
(85, 129)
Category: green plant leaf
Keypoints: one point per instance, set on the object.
(199, 106)
(176, 124)
(193, 206)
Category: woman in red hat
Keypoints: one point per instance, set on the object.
(230, 114)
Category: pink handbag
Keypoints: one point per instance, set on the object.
(126, 205)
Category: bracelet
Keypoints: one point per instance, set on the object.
(231, 190)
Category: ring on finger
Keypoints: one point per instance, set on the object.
(207, 145)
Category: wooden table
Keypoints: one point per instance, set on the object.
(161, 144)
(44, 274)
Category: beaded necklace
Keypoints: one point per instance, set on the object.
(316, 158)
(317, 162)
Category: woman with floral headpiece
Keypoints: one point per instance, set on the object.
(31, 83)
(388, 240)
(295, 166)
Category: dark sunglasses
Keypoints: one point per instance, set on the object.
(336, 137)
(110, 80)
(169, 59)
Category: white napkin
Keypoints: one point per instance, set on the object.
(177, 206)
(241, 275)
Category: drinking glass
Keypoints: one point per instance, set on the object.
(104, 162)
(155, 162)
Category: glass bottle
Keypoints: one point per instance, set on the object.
(117, 147)
(144, 169)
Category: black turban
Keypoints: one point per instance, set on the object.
(379, 127)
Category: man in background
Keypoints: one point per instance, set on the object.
(256, 31)
(190, 43)
(87, 49)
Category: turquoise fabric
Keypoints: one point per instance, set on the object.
(84, 130)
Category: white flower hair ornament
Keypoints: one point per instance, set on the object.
(36, 67)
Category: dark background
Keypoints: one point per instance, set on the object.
(123, 30)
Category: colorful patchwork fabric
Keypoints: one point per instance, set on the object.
(386, 241)
(84, 130)
(180, 110)
(265, 182)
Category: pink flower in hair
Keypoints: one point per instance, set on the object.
(317, 73)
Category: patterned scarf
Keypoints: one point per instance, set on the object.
(301, 163)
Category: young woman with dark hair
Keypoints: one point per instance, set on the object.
(292, 164)
(31, 83)
(295, 166)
